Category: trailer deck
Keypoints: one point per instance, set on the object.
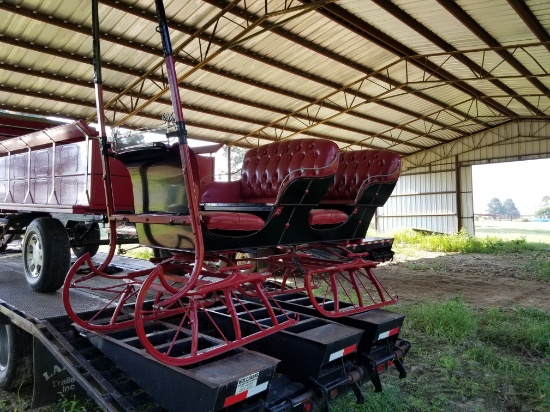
(264, 376)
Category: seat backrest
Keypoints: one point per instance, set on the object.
(357, 170)
(269, 168)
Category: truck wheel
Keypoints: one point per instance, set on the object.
(15, 357)
(46, 254)
(79, 231)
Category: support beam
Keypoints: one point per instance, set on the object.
(452, 7)
(530, 20)
(439, 42)
(356, 25)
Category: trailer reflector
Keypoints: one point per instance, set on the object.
(388, 333)
(343, 352)
(231, 400)
(383, 366)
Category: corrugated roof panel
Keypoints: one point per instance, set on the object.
(508, 28)
(328, 34)
(133, 46)
(436, 18)
(390, 25)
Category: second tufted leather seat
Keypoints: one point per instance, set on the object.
(364, 181)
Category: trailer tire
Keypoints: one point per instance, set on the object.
(79, 230)
(46, 254)
(15, 357)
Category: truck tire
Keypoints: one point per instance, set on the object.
(15, 357)
(80, 231)
(46, 254)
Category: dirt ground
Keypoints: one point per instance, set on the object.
(481, 281)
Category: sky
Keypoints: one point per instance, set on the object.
(525, 182)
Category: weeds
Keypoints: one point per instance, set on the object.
(544, 379)
(70, 405)
(463, 242)
(522, 329)
(450, 321)
(540, 264)
(144, 253)
(478, 366)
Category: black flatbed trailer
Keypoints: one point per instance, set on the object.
(298, 369)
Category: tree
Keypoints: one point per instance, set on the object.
(494, 207)
(129, 139)
(237, 156)
(543, 212)
(510, 209)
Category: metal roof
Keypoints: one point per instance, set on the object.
(406, 75)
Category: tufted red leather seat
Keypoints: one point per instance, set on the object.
(280, 183)
(357, 171)
(267, 170)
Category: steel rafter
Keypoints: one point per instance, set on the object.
(85, 103)
(90, 104)
(246, 33)
(362, 28)
(187, 106)
(125, 70)
(472, 107)
(530, 21)
(180, 26)
(158, 80)
(439, 42)
(481, 33)
(472, 142)
(333, 56)
(350, 95)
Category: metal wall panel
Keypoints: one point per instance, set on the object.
(424, 201)
(426, 195)
(467, 199)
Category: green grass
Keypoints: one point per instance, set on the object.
(522, 329)
(139, 253)
(451, 321)
(463, 242)
(467, 360)
(531, 231)
(74, 405)
(408, 242)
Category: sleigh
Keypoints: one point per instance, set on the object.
(299, 212)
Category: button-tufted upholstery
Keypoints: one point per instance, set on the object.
(266, 167)
(270, 168)
(357, 171)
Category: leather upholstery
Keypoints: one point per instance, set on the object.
(359, 169)
(221, 192)
(231, 221)
(326, 217)
(265, 167)
(269, 168)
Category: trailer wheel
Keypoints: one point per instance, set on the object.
(81, 231)
(46, 254)
(15, 357)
